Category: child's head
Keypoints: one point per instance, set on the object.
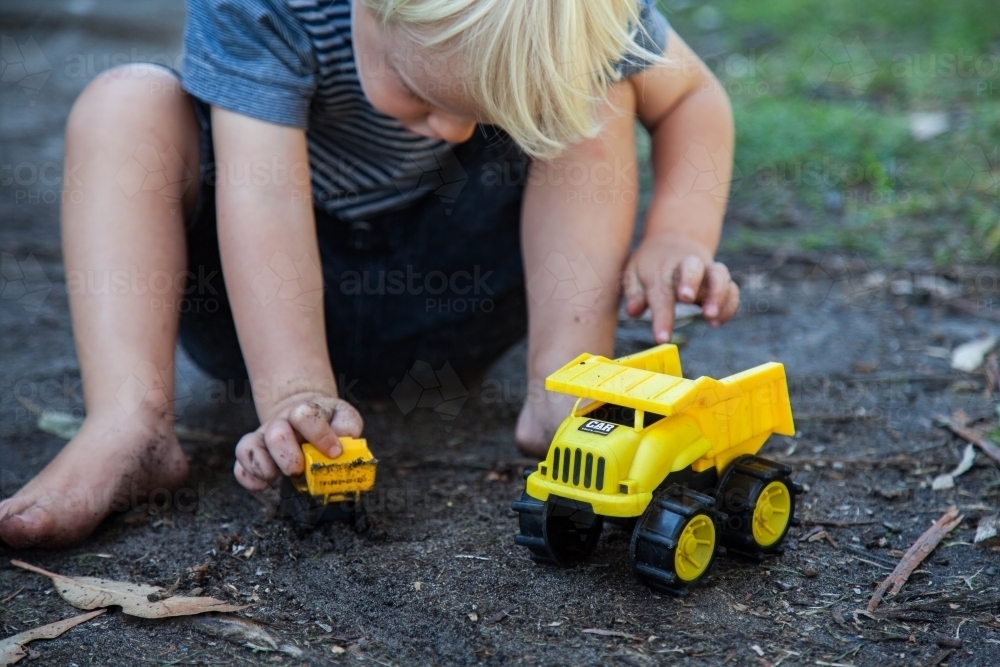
(536, 68)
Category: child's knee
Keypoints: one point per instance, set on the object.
(130, 97)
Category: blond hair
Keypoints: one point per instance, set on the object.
(538, 68)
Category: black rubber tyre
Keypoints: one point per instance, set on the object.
(306, 512)
(559, 531)
(749, 488)
(674, 518)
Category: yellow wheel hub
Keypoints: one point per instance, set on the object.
(695, 548)
(771, 516)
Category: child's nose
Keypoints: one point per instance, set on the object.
(452, 129)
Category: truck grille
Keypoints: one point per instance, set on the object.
(571, 466)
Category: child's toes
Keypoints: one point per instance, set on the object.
(30, 526)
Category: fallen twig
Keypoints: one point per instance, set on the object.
(969, 307)
(897, 460)
(500, 615)
(12, 595)
(165, 593)
(835, 417)
(915, 555)
(611, 633)
(838, 524)
(865, 555)
(992, 372)
(242, 631)
(63, 424)
(983, 600)
(971, 435)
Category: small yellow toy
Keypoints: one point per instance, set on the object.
(331, 489)
(675, 456)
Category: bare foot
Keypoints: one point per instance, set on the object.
(109, 464)
(538, 422)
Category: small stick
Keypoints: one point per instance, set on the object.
(611, 633)
(838, 524)
(12, 595)
(971, 435)
(916, 555)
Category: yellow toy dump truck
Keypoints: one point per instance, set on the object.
(676, 456)
(330, 489)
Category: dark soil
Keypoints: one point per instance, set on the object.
(437, 579)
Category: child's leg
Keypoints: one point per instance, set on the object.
(579, 215)
(124, 250)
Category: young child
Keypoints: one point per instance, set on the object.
(362, 174)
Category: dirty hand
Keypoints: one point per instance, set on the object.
(275, 448)
(667, 268)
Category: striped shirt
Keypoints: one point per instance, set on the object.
(291, 62)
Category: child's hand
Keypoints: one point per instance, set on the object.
(275, 448)
(668, 267)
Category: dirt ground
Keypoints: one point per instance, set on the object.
(437, 579)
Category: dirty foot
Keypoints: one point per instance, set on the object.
(109, 464)
(538, 422)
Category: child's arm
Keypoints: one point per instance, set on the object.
(576, 227)
(579, 211)
(271, 264)
(688, 116)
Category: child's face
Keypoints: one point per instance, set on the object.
(408, 83)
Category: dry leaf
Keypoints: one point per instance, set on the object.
(337, 650)
(243, 632)
(988, 528)
(926, 125)
(947, 480)
(94, 592)
(969, 356)
(12, 649)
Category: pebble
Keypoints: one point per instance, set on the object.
(810, 572)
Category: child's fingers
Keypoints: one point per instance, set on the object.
(284, 448)
(248, 481)
(252, 456)
(717, 284)
(661, 304)
(689, 275)
(732, 303)
(635, 295)
(346, 420)
(312, 421)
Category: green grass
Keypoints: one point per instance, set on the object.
(824, 150)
